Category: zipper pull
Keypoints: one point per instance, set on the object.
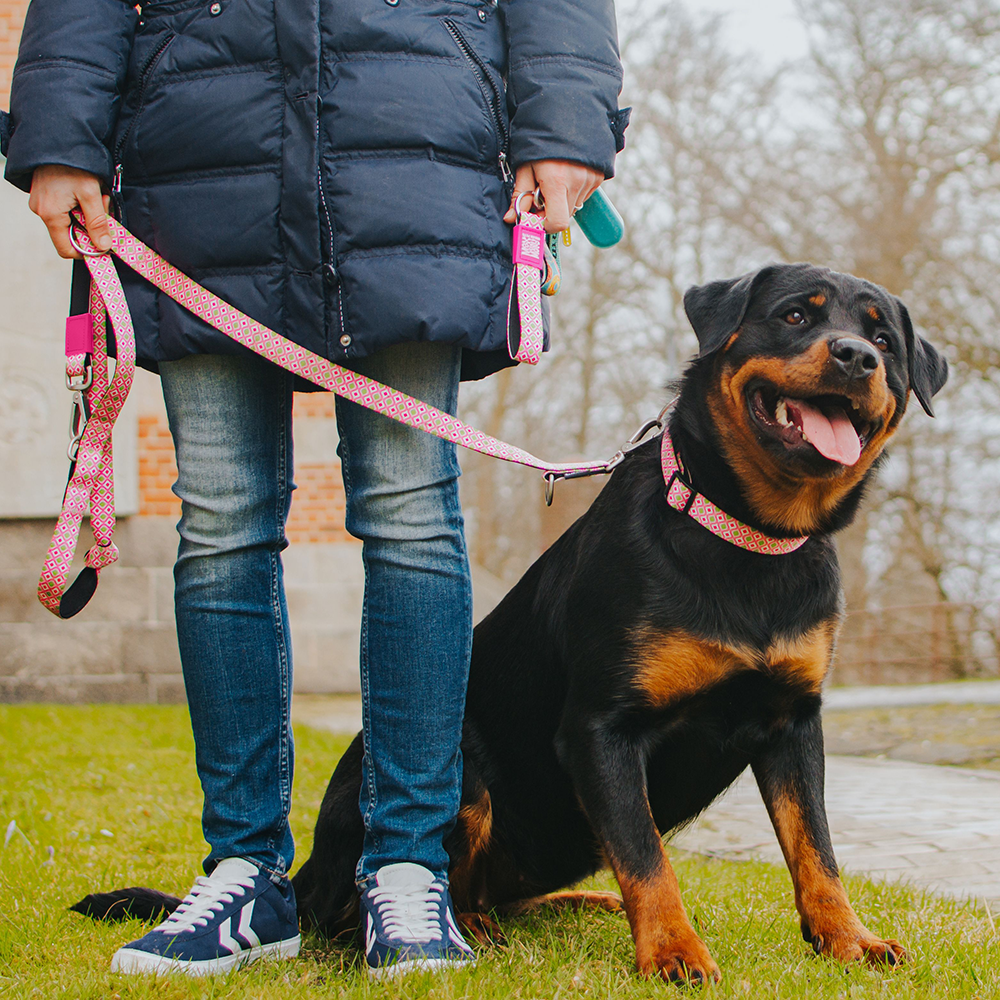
(117, 202)
(508, 177)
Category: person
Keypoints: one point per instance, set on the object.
(341, 171)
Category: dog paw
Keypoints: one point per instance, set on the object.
(685, 960)
(483, 929)
(855, 944)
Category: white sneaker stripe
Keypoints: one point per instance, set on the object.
(245, 930)
(226, 940)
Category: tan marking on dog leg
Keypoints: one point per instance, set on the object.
(666, 944)
(829, 922)
(611, 902)
(482, 928)
(475, 828)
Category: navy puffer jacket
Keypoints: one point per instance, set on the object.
(335, 168)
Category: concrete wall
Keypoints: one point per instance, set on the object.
(123, 647)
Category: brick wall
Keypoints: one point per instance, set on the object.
(317, 514)
(11, 22)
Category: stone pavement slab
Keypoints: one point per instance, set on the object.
(937, 828)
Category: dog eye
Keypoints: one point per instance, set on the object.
(795, 317)
(882, 342)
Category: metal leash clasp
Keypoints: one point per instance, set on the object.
(638, 439)
(77, 423)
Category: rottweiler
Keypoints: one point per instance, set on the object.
(646, 660)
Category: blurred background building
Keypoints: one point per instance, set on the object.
(861, 136)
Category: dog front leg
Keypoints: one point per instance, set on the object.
(609, 777)
(790, 775)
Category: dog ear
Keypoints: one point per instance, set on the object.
(716, 310)
(928, 371)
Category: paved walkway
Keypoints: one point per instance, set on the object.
(901, 695)
(935, 827)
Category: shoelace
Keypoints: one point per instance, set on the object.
(198, 906)
(410, 914)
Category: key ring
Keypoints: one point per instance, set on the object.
(535, 195)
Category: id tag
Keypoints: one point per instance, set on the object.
(529, 245)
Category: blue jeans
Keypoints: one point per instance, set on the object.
(231, 422)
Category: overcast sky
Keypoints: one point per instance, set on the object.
(768, 27)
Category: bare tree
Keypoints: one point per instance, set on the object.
(878, 155)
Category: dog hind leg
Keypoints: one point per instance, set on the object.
(324, 886)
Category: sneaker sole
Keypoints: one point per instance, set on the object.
(418, 965)
(130, 961)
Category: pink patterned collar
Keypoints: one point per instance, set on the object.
(682, 497)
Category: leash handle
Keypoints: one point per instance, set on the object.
(526, 287)
(98, 398)
(91, 480)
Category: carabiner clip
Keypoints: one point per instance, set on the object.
(77, 425)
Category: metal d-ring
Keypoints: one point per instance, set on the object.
(550, 487)
(73, 223)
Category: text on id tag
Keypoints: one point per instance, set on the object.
(528, 245)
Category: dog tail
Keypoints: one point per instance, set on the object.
(127, 904)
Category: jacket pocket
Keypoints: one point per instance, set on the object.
(494, 97)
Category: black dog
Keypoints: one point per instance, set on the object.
(643, 662)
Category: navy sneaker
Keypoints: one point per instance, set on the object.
(409, 924)
(234, 916)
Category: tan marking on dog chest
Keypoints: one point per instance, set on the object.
(677, 665)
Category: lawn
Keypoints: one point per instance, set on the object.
(107, 796)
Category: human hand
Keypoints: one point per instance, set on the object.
(565, 185)
(55, 190)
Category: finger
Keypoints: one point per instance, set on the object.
(558, 206)
(524, 183)
(94, 216)
(58, 227)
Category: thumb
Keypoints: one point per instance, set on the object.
(95, 217)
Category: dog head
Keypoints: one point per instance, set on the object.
(811, 371)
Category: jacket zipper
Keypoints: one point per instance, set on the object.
(491, 93)
(145, 74)
(330, 263)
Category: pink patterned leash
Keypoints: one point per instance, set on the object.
(91, 485)
(97, 401)
(526, 285)
(682, 497)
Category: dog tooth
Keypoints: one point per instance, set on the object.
(781, 414)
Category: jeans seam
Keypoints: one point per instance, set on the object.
(280, 515)
(345, 468)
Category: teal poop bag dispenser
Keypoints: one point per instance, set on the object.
(600, 221)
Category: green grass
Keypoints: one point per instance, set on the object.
(68, 774)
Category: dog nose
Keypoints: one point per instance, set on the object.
(856, 358)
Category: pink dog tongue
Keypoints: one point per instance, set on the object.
(833, 436)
